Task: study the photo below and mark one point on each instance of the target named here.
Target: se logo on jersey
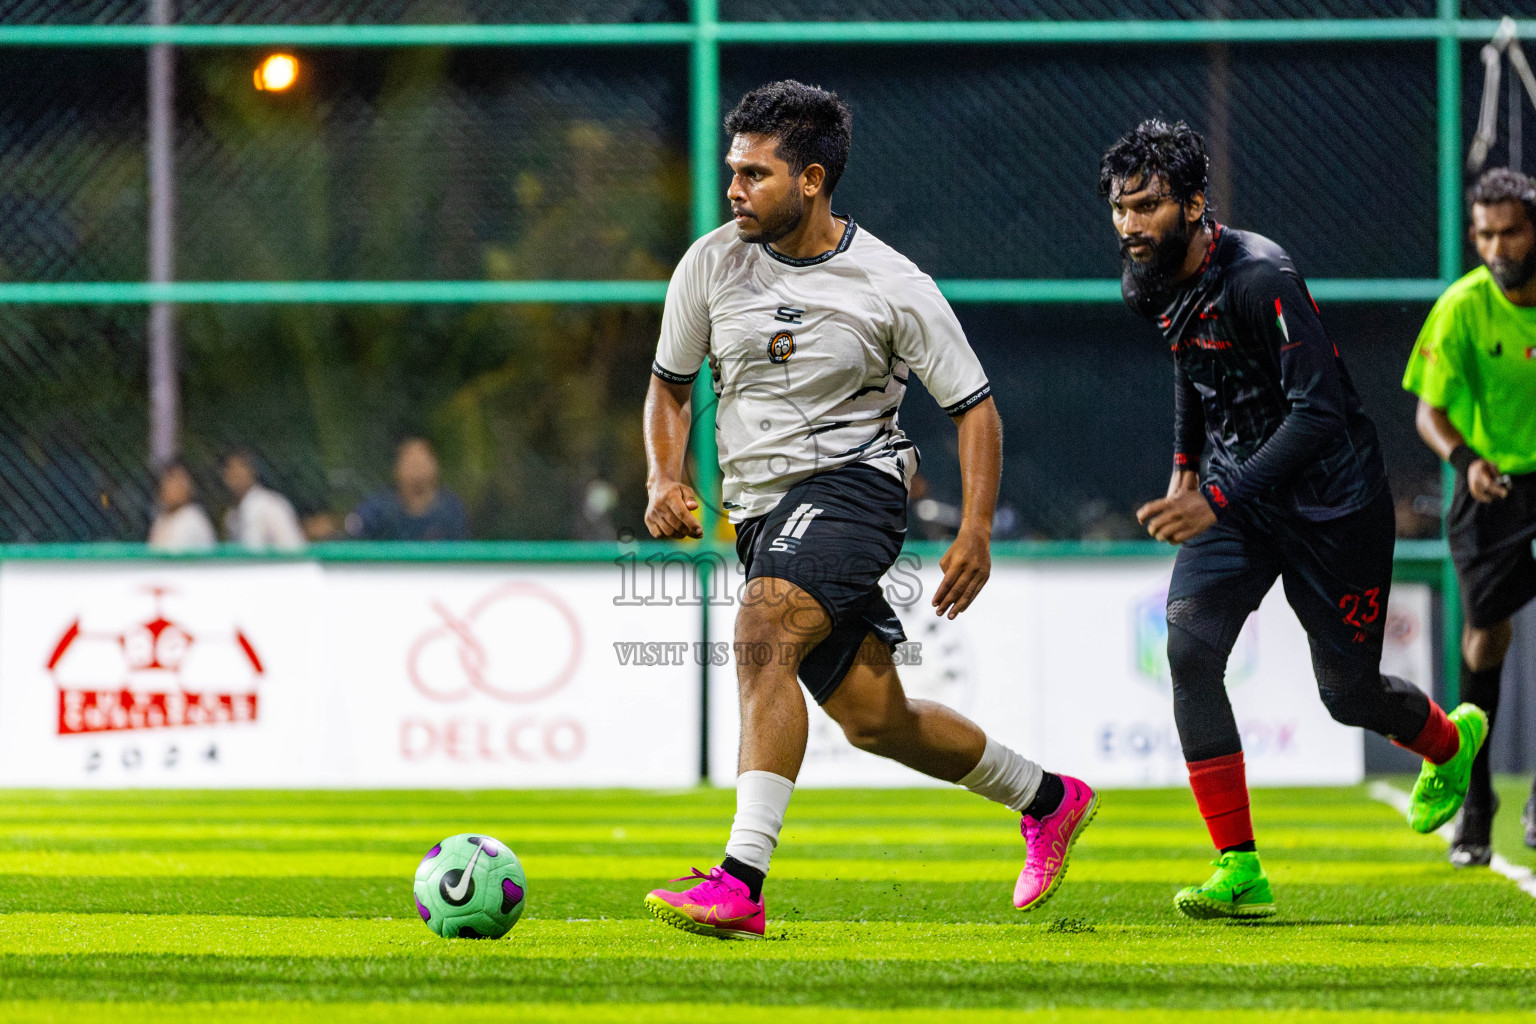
(781, 347)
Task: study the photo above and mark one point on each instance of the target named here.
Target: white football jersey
(810, 357)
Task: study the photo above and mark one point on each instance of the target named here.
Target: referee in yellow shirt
(1474, 370)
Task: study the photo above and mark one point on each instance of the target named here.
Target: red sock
(1221, 793)
(1438, 741)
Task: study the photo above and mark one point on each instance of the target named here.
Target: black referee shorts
(1491, 548)
(834, 535)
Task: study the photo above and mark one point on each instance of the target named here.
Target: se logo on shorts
(794, 528)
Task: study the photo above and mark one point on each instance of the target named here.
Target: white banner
(462, 677)
(162, 675)
(290, 675)
(213, 674)
(971, 663)
(1107, 706)
(1067, 662)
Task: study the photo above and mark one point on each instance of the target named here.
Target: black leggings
(1354, 694)
(1337, 577)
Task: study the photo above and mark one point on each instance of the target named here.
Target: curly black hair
(1502, 185)
(1173, 153)
(812, 125)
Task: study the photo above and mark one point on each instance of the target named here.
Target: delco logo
(153, 675)
(517, 644)
(1149, 644)
(484, 669)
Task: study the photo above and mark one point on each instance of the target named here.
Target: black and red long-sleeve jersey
(1257, 377)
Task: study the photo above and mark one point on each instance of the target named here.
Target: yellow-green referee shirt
(1476, 360)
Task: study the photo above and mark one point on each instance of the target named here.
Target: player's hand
(1484, 482)
(967, 565)
(1175, 520)
(669, 511)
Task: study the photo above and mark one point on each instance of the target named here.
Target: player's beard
(1509, 275)
(774, 224)
(1168, 255)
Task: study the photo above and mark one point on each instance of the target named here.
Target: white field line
(1521, 876)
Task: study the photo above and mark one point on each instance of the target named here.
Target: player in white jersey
(810, 327)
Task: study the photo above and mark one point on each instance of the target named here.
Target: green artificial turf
(1508, 833)
(883, 907)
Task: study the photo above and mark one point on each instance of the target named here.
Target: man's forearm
(1437, 431)
(666, 431)
(981, 464)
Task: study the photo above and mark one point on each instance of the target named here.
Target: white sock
(761, 800)
(1004, 775)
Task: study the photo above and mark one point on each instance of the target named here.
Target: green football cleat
(1238, 890)
(1441, 788)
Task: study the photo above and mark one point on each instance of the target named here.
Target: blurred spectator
(939, 520)
(1416, 507)
(595, 521)
(181, 524)
(417, 509)
(319, 526)
(261, 519)
(1099, 521)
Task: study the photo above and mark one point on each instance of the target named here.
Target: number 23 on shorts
(1360, 610)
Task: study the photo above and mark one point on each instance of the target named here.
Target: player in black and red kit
(1277, 473)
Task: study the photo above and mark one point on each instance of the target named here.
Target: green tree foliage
(413, 168)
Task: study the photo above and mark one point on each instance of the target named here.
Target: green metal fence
(703, 36)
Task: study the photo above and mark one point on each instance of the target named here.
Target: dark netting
(433, 12)
(72, 424)
(434, 163)
(534, 411)
(1497, 8)
(497, 163)
(1086, 397)
(531, 408)
(73, 12)
(1064, 10)
(72, 159)
(1329, 150)
(1500, 154)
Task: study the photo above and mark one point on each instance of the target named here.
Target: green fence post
(705, 174)
(1448, 99)
(704, 114)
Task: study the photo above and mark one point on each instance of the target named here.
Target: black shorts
(1337, 575)
(1491, 546)
(834, 535)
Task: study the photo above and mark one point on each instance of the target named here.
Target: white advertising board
(208, 674)
(1067, 663)
(294, 675)
(503, 677)
(972, 663)
(162, 675)
(1107, 698)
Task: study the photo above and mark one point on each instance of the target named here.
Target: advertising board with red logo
(495, 677)
(293, 675)
(190, 675)
(222, 674)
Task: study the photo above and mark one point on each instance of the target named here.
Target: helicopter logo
(153, 675)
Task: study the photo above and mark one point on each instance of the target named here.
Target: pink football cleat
(720, 905)
(1048, 844)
